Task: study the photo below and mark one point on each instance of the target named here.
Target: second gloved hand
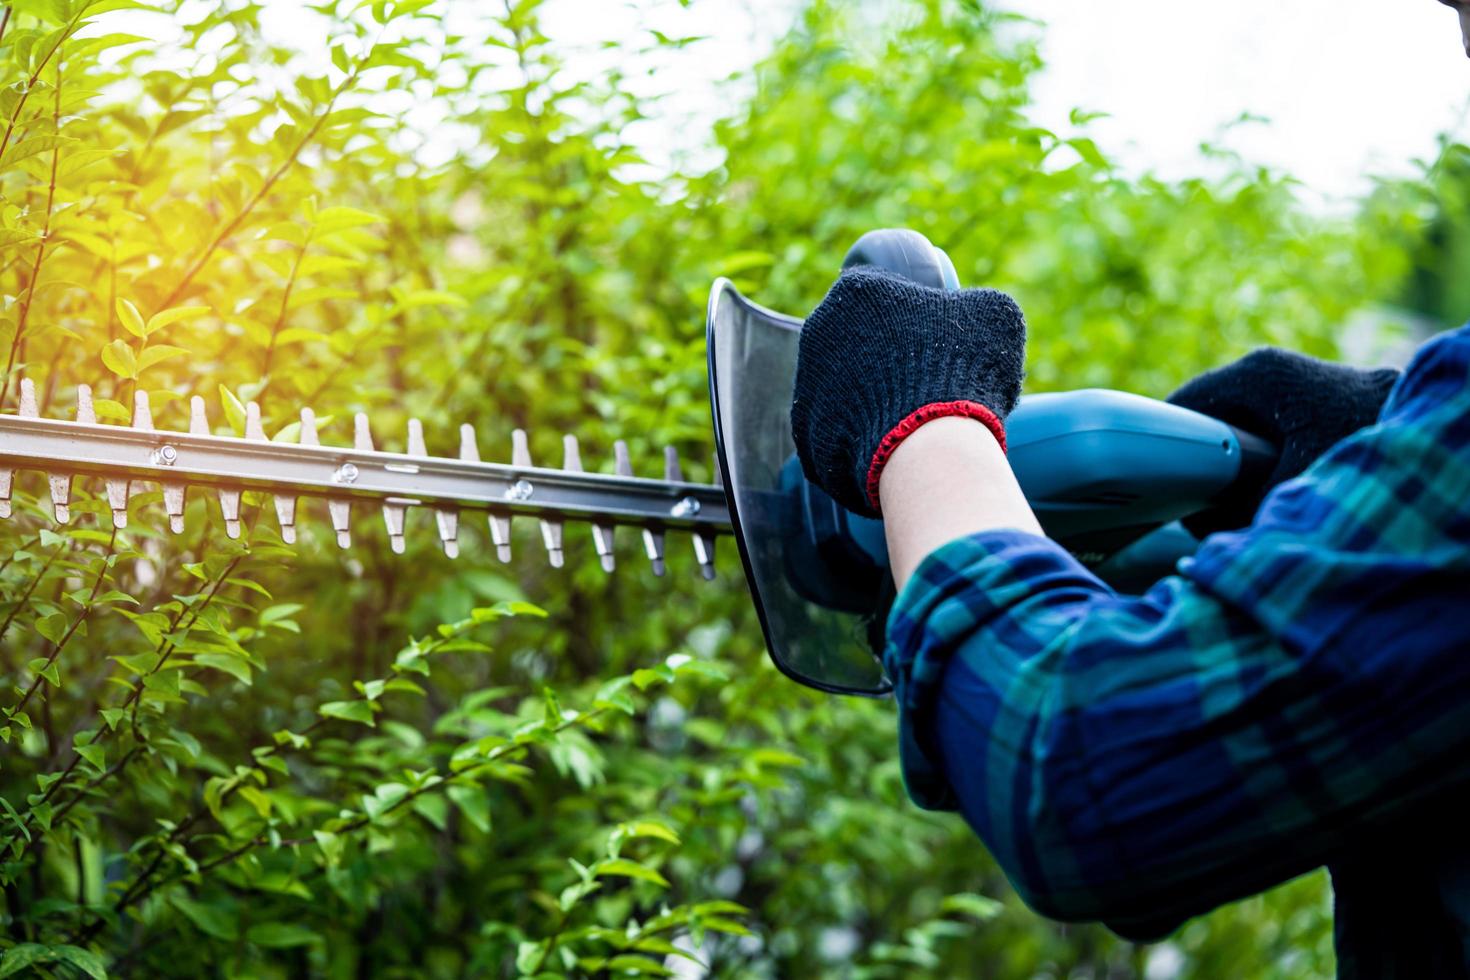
(1302, 405)
(881, 356)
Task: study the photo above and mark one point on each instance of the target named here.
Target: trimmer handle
(905, 253)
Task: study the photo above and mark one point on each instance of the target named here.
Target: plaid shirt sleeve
(1140, 760)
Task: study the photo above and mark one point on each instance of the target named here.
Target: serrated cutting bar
(396, 482)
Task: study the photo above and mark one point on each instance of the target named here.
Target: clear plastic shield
(752, 361)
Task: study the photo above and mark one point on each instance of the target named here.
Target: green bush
(249, 758)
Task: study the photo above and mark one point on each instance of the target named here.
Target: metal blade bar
(394, 480)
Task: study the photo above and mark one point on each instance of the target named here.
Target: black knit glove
(882, 355)
(1302, 405)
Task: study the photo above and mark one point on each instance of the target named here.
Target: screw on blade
(445, 518)
(229, 500)
(499, 523)
(173, 493)
(340, 510)
(551, 531)
(653, 541)
(602, 534)
(285, 505)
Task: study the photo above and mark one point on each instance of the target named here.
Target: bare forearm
(947, 480)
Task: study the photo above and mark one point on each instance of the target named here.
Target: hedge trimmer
(1106, 472)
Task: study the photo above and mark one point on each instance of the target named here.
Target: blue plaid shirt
(1298, 694)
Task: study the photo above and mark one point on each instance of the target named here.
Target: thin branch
(25, 307)
(87, 608)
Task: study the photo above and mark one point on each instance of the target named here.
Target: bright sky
(1350, 87)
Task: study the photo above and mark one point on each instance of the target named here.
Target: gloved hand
(881, 356)
(1301, 404)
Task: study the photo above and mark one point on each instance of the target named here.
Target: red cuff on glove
(910, 424)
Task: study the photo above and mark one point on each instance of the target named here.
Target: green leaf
(648, 828)
(337, 218)
(473, 803)
(281, 935)
(26, 955)
(208, 919)
(642, 965)
(433, 808)
(131, 319)
(53, 627)
(163, 318)
(155, 354)
(975, 906)
(230, 664)
(234, 410)
(331, 845)
(256, 798)
(95, 755)
(118, 357)
(624, 868)
(358, 711)
(276, 613)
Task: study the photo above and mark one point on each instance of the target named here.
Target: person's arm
(949, 479)
(1142, 759)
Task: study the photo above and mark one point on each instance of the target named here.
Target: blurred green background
(249, 759)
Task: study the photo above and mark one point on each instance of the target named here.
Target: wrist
(972, 413)
(949, 479)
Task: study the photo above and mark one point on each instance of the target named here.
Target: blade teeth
(229, 506)
(500, 536)
(308, 429)
(653, 546)
(339, 510)
(7, 476)
(173, 503)
(362, 436)
(469, 450)
(253, 428)
(198, 421)
(551, 531)
(446, 519)
(142, 413)
(229, 500)
(653, 541)
(120, 491)
(117, 500)
(60, 496)
(341, 513)
(704, 544)
(286, 518)
(86, 412)
(602, 534)
(362, 439)
(285, 505)
(704, 553)
(393, 521)
(416, 446)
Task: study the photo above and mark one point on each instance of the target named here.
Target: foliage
(1428, 217)
(250, 758)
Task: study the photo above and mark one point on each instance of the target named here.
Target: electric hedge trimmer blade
(123, 456)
